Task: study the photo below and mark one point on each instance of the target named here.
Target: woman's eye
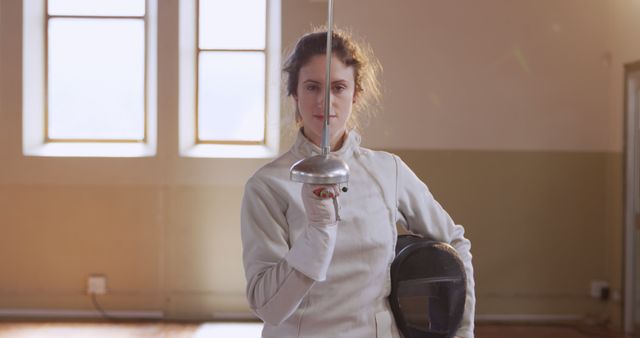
(339, 88)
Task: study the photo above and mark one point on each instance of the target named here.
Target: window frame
(190, 143)
(36, 138)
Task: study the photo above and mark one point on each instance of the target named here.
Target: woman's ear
(295, 102)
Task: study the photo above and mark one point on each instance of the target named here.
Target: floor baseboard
(245, 316)
(80, 314)
(527, 318)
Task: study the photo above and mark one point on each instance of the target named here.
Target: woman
(313, 271)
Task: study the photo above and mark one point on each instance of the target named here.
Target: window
(89, 78)
(229, 78)
(90, 70)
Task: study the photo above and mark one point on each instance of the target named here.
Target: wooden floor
(544, 331)
(251, 330)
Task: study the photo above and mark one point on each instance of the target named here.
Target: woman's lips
(321, 117)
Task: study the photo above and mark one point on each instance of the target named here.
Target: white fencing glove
(312, 250)
(321, 203)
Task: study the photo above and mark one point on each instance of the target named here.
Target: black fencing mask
(428, 288)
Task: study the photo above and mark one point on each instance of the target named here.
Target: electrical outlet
(97, 285)
(599, 289)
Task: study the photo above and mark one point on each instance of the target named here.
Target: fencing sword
(326, 168)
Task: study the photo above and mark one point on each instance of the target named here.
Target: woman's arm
(422, 214)
(279, 275)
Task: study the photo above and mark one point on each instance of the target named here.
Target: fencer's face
(310, 98)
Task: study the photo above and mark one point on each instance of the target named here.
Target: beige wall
(491, 74)
(535, 220)
(510, 111)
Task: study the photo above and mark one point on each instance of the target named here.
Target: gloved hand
(321, 203)
(312, 250)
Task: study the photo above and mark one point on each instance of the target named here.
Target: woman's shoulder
(378, 155)
(387, 162)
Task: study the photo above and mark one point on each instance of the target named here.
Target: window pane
(97, 7)
(231, 96)
(96, 78)
(237, 24)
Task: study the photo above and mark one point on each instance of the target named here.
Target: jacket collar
(303, 148)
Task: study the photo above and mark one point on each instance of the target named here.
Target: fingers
(325, 191)
(320, 203)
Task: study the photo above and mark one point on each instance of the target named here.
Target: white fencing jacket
(333, 281)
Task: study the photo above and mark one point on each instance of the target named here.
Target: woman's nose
(320, 98)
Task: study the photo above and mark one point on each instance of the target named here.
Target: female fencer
(316, 271)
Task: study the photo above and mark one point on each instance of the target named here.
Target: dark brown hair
(350, 52)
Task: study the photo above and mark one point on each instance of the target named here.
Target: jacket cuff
(312, 251)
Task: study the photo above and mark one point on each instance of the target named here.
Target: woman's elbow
(263, 309)
(270, 317)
